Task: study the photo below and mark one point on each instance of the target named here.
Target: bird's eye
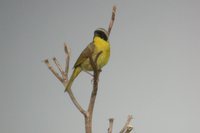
(103, 36)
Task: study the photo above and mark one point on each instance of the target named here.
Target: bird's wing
(85, 54)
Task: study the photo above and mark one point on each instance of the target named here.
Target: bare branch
(127, 125)
(95, 83)
(59, 67)
(76, 103)
(111, 120)
(53, 71)
(112, 19)
(64, 78)
(88, 118)
(67, 58)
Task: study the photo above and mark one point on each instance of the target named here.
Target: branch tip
(110, 128)
(64, 76)
(67, 58)
(46, 61)
(67, 49)
(112, 19)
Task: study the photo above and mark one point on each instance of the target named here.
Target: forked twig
(59, 68)
(46, 61)
(64, 78)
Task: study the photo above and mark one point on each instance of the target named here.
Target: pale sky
(153, 72)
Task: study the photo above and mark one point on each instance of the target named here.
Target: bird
(100, 44)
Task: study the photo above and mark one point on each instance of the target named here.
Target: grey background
(153, 72)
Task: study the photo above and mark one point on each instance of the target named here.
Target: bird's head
(102, 33)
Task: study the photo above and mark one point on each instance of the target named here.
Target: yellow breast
(104, 46)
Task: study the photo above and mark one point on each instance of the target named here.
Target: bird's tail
(75, 73)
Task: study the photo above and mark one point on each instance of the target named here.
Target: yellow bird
(99, 44)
